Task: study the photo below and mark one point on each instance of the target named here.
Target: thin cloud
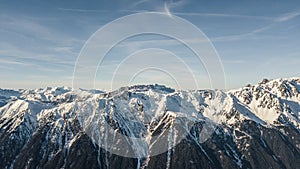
(288, 16)
(78, 10)
(32, 29)
(157, 6)
(176, 4)
(138, 3)
(12, 62)
(241, 36)
(82, 10)
(223, 15)
(167, 10)
(65, 49)
(234, 61)
(135, 11)
(282, 18)
(13, 55)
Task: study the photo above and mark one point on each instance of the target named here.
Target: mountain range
(152, 126)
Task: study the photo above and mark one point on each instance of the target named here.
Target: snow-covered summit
(274, 101)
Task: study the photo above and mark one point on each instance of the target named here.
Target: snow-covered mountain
(152, 126)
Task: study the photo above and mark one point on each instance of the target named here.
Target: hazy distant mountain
(255, 126)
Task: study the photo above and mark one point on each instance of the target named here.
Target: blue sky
(40, 40)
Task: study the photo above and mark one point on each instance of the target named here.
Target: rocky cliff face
(152, 127)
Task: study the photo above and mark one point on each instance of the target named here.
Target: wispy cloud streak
(82, 10)
(288, 16)
(223, 15)
(276, 20)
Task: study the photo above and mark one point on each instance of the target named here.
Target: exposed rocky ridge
(256, 126)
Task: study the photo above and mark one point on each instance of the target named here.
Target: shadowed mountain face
(252, 127)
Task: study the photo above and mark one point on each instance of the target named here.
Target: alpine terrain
(152, 126)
